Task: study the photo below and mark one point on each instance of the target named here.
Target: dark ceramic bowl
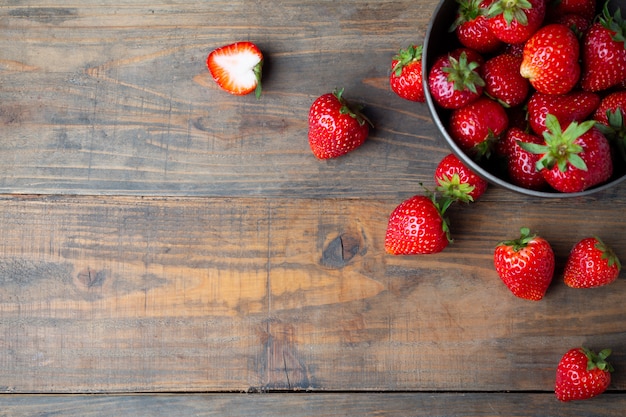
(439, 41)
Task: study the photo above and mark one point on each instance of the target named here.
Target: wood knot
(340, 250)
(91, 278)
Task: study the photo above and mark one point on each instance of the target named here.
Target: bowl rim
(474, 166)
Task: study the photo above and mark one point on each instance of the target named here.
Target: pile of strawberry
(537, 89)
(535, 84)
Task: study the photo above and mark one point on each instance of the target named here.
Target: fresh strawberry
(550, 59)
(503, 81)
(575, 106)
(612, 103)
(471, 26)
(477, 126)
(525, 265)
(237, 68)
(334, 127)
(455, 79)
(577, 23)
(583, 8)
(582, 374)
(604, 52)
(417, 226)
(591, 263)
(456, 181)
(514, 21)
(574, 159)
(611, 118)
(406, 74)
(521, 164)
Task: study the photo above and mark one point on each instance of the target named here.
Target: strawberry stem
(258, 72)
(597, 360)
(353, 111)
(521, 242)
(463, 74)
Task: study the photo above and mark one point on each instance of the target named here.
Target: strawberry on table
(477, 127)
(417, 226)
(575, 159)
(237, 68)
(456, 181)
(455, 79)
(582, 374)
(406, 74)
(604, 52)
(525, 265)
(472, 28)
(575, 106)
(503, 81)
(514, 21)
(550, 59)
(591, 263)
(335, 128)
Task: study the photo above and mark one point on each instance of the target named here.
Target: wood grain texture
(309, 405)
(115, 98)
(193, 294)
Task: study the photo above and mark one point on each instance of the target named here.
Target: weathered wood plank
(115, 98)
(318, 405)
(101, 294)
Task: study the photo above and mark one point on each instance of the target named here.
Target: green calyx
(560, 147)
(521, 242)
(614, 23)
(405, 57)
(441, 204)
(352, 111)
(468, 10)
(454, 189)
(598, 361)
(511, 10)
(258, 73)
(607, 253)
(463, 74)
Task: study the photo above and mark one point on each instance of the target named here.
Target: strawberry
(503, 81)
(455, 79)
(478, 125)
(611, 118)
(334, 128)
(574, 106)
(514, 21)
(237, 68)
(583, 8)
(575, 159)
(582, 374)
(456, 181)
(604, 52)
(471, 26)
(406, 74)
(612, 103)
(550, 60)
(525, 265)
(577, 23)
(591, 263)
(521, 164)
(417, 226)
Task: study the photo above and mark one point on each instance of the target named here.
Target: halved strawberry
(237, 68)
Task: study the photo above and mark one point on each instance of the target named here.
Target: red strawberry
(591, 264)
(521, 164)
(525, 265)
(471, 26)
(604, 52)
(503, 81)
(237, 68)
(514, 21)
(582, 374)
(456, 181)
(334, 128)
(575, 159)
(583, 8)
(551, 59)
(613, 103)
(417, 226)
(577, 23)
(574, 106)
(611, 118)
(477, 126)
(455, 79)
(406, 74)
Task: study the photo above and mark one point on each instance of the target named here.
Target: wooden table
(180, 251)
